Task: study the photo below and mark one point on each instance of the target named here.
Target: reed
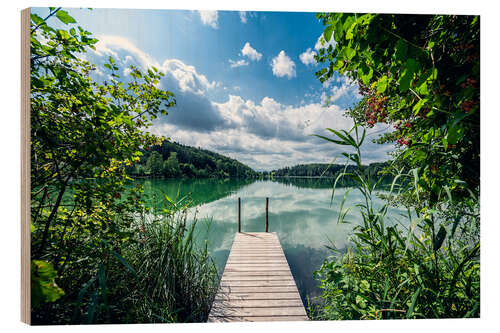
(426, 265)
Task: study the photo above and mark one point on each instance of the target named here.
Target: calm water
(300, 212)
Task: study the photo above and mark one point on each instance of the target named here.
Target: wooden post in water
(267, 213)
(239, 214)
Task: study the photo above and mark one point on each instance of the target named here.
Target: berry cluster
(468, 105)
(468, 83)
(376, 110)
(403, 141)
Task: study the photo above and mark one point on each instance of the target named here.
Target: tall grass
(425, 266)
(176, 280)
(156, 274)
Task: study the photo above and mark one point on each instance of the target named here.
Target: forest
(172, 160)
(325, 170)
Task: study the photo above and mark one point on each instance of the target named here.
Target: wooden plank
(257, 284)
(254, 257)
(259, 303)
(255, 273)
(256, 318)
(258, 261)
(259, 296)
(260, 268)
(237, 289)
(253, 278)
(252, 311)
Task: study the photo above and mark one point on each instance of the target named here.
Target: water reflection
(304, 217)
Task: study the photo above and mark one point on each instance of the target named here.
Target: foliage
(176, 280)
(84, 133)
(425, 266)
(324, 170)
(190, 162)
(419, 73)
(43, 285)
(159, 276)
(154, 164)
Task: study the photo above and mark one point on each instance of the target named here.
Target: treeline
(174, 160)
(325, 170)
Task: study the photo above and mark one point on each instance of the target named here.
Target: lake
(301, 212)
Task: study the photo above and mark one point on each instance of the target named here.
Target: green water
(300, 212)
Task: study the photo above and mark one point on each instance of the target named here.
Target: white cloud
(209, 17)
(322, 44)
(269, 135)
(265, 134)
(283, 66)
(243, 17)
(250, 52)
(307, 57)
(343, 91)
(238, 63)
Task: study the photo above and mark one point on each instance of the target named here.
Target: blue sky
(244, 81)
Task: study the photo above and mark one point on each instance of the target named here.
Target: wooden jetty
(257, 284)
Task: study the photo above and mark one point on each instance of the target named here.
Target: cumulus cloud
(321, 43)
(264, 134)
(250, 52)
(209, 17)
(307, 57)
(269, 135)
(238, 63)
(283, 66)
(194, 110)
(243, 16)
(340, 90)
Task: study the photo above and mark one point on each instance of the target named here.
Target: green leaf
(408, 75)
(64, 17)
(401, 50)
(360, 301)
(125, 263)
(413, 302)
(454, 134)
(418, 106)
(327, 34)
(338, 65)
(36, 19)
(438, 241)
(43, 286)
(367, 77)
(349, 53)
(331, 140)
(382, 84)
(63, 34)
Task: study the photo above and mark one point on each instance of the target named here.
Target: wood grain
(257, 284)
(25, 169)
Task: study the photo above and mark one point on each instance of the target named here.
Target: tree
(154, 164)
(419, 73)
(171, 165)
(83, 134)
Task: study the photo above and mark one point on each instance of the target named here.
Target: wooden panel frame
(25, 169)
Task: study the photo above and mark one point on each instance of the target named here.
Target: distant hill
(324, 170)
(172, 159)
